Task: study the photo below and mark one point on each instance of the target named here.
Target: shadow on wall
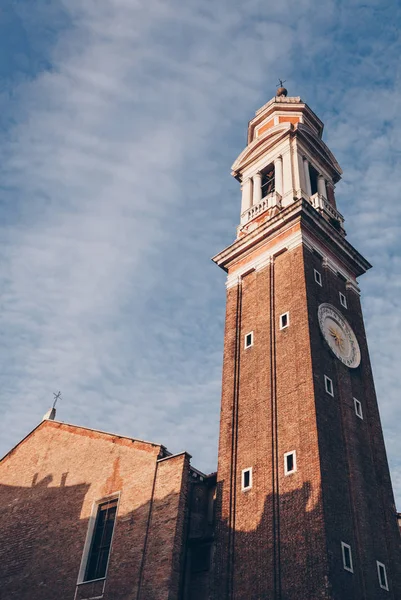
(42, 542)
(281, 554)
(43, 536)
(36, 536)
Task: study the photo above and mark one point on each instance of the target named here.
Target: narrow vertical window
(382, 574)
(343, 300)
(246, 480)
(328, 385)
(249, 339)
(347, 557)
(358, 408)
(318, 277)
(99, 552)
(290, 462)
(284, 320)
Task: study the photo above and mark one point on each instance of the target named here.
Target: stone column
(257, 188)
(308, 189)
(321, 186)
(278, 175)
(246, 195)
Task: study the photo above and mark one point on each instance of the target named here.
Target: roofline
(114, 435)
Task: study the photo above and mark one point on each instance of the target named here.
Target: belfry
(305, 507)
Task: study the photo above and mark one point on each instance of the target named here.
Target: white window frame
(348, 547)
(385, 586)
(246, 346)
(343, 300)
(294, 469)
(358, 408)
(286, 314)
(247, 470)
(318, 277)
(89, 537)
(329, 388)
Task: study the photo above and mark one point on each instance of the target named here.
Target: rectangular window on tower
(318, 277)
(382, 574)
(328, 385)
(249, 339)
(347, 557)
(99, 541)
(290, 462)
(343, 300)
(246, 479)
(358, 408)
(268, 184)
(284, 320)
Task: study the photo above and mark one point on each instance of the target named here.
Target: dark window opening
(284, 320)
(247, 479)
(101, 541)
(313, 174)
(382, 576)
(347, 557)
(289, 462)
(248, 340)
(268, 186)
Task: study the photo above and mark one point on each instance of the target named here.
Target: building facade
(301, 507)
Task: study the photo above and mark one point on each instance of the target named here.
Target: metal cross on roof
(56, 397)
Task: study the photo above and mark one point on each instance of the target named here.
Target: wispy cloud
(116, 144)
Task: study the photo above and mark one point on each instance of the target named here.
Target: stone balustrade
(270, 201)
(326, 209)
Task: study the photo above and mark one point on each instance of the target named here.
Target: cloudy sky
(119, 121)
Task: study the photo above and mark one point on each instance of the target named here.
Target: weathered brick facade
(48, 485)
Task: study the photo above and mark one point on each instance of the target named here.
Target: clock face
(338, 334)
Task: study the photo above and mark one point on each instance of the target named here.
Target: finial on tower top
(281, 91)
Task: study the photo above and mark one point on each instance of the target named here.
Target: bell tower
(305, 507)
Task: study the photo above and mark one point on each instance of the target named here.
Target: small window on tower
(284, 320)
(343, 300)
(246, 482)
(318, 277)
(358, 408)
(268, 185)
(381, 572)
(249, 339)
(347, 557)
(328, 385)
(290, 462)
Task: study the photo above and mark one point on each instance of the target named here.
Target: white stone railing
(326, 209)
(273, 199)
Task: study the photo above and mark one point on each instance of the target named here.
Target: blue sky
(119, 121)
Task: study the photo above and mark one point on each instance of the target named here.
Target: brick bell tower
(305, 507)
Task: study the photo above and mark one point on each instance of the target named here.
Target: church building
(301, 506)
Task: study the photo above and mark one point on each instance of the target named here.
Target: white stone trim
(385, 586)
(358, 408)
(287, 324)
(294, 464)
(346, 547)
(247, 470)
(246, 346)
(329, 386)
(293, 241)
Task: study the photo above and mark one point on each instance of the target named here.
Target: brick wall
(48, 485)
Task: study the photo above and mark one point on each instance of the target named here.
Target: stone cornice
(314, 228)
